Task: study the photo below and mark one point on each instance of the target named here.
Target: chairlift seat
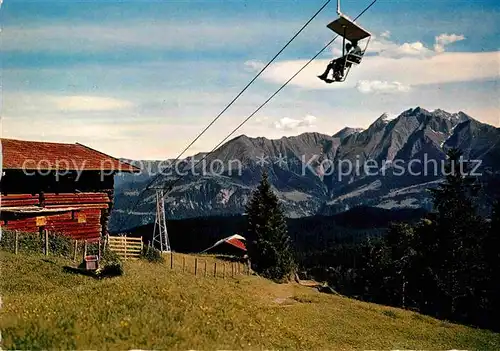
(346, 28)
(349, 31)
(354, 59)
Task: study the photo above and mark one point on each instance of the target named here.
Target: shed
(63, 188)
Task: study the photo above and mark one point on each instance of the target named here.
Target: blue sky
(140, 79)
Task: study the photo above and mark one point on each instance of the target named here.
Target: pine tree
(495, 230)
(269, 245)
(492, 253)
(401, 243)
(455, 258)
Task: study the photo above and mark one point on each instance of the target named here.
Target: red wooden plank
(92, 193)
(19, 196)
(100, 206)
(18, 203)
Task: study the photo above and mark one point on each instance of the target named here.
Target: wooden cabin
(62, 188)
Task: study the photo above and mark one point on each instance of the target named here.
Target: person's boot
(323, 76)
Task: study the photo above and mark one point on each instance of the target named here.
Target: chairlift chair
(349, 30)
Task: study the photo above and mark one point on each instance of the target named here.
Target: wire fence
(206, 265)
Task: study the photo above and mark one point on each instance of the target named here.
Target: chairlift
(352, 32)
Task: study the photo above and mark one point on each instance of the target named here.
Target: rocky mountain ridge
(314, 173)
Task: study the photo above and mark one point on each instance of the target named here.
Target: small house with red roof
(232, 245)
(62, 188)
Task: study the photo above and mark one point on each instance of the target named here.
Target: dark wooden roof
(43, 156)
(345, 27)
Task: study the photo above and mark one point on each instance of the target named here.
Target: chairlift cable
(172, 184)
(246, 87)
(148, 186)
(170, 187)
(253, 80)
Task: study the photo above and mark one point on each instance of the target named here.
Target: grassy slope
(152, 307)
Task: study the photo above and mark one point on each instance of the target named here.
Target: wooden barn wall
(31, 182)
(88, 223)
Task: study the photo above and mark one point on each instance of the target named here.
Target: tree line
(446, 265)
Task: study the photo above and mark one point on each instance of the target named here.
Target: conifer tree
(455, 258)
(401, 242)
(492, 254)
(269, 245)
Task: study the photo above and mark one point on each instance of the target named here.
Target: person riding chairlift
(338, 65)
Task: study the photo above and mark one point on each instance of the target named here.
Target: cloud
(408, 49)
(377, 86)
(336, 51)
(288, 124)
(445, 39)
(130, 140)
(387, 48)
(253, 65)
(26, 105)
(173, 34)
(386, 34)
(261, 119)
(408, 71)
(88, 103)
(384, 47)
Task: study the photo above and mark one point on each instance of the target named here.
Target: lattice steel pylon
(160, 234)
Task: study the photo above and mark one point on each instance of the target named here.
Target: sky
(140, 79)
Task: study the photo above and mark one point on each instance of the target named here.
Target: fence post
(142, 245)
(84, 249)
(215, 269)
(17, 242)
(183, 263)
(99, 248)
(125, 243)
(195, 266)
(171, 260)
(223, 270)
(46, 242)
(205, 268)
(76, 249)
(232, 269)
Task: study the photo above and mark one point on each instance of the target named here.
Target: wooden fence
(125, 247)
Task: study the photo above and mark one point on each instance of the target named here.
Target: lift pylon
(160, 234)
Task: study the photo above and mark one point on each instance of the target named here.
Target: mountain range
(390, 165)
